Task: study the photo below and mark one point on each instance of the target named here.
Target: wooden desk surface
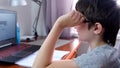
(67, 47)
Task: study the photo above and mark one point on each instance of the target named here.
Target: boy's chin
(82, 40)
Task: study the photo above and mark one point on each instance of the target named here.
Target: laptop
(10, 52)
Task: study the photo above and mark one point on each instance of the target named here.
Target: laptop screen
(8, 19)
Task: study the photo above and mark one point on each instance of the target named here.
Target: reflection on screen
(7, 26)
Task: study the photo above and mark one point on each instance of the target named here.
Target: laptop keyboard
(15, 53)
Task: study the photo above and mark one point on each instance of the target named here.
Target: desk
(72, 46)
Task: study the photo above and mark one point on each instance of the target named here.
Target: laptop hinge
(5, 45)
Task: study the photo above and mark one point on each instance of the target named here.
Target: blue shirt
(101, 57)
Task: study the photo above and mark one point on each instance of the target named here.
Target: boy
(97, 22)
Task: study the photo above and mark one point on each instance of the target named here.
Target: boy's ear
(98, 28)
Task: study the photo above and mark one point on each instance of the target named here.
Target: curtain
(54, 9)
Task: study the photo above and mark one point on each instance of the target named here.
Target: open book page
(28, 61)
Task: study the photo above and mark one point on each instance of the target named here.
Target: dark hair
(105, 12)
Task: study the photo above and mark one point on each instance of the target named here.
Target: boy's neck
(97, 44)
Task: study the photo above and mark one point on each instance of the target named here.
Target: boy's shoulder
(104, 52)
(97, 57)
(104, 49)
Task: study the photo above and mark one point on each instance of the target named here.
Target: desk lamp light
(36, 18)
(23, 3)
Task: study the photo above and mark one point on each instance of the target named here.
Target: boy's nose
(76, 27)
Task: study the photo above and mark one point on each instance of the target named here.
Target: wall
(25, 16)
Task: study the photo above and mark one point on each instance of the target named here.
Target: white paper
(28, 61)
(59, 54)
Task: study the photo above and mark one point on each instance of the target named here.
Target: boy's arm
(45, 53)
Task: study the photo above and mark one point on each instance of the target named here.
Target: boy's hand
(70, 19)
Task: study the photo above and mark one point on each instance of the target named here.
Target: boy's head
(105, 12)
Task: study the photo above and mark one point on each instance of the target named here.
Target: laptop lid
(8, 20)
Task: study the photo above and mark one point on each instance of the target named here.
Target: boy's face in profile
(84, 33)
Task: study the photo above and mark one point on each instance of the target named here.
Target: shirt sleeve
(90, 60)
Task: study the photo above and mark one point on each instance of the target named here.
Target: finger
(72, 13)
(82, 20)
(76, 15)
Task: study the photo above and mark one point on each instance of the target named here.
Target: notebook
(10, 52)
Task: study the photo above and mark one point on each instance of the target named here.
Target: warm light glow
(73, 30)
(118, 2)
(76, 42)
(74, 3)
